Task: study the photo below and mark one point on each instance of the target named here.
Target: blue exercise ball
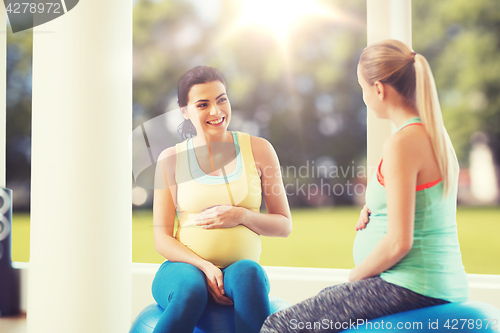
(462, 316)
(215, 318)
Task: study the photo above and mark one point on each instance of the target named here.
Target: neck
(400, 115)
(206, 139)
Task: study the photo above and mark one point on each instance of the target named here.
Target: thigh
(176, 276)
(345, 303)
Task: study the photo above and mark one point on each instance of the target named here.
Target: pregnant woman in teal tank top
(406, 251)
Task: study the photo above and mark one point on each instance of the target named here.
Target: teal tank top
(433, 267)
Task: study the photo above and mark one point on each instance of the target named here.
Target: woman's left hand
(364, 218)
(223, 216)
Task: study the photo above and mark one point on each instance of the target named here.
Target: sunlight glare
(277, 15)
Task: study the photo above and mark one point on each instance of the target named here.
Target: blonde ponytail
(430, 113)
(393, 62)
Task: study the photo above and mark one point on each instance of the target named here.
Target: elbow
(159, 244)
(287, 232)
(287, 229)
(157, 247)
(402, 247)
(398, 244)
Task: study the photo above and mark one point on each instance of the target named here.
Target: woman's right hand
(364, 218)
(215, 280)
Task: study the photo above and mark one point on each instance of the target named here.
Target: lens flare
(278, 15)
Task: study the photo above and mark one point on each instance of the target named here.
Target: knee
(327, 289)
(247, 277)
(186, 285)
(249, 270)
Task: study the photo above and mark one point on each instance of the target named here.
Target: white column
(80, 259)
(3, 92)
(401, 20)
(385, 19)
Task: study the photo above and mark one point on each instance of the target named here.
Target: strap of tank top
(182, 173)
(411, 121)
(246, 151)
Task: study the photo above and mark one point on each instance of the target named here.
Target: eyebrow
(206, 100)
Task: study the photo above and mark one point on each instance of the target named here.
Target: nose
(214, 110)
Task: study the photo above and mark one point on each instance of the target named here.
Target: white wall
(291, 284)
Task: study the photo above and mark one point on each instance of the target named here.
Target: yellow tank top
(197, 191)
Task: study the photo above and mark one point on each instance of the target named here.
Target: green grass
(320, 238)
(20, 237)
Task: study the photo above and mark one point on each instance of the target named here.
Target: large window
(291, 75)
(290, 69)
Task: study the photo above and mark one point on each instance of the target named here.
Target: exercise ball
(462, 316)
(214, 319)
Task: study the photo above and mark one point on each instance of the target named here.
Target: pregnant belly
(366, 240)
(221, 247)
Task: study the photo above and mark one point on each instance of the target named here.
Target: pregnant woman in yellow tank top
(214, 181)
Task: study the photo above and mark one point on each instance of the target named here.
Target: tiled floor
(13, 324)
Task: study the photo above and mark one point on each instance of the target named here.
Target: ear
(184, 112)
(380, 89)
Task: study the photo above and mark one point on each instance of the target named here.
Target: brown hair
(393, 62)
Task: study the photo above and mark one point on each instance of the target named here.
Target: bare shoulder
(264, 155)
(258, 142)
(412, 139)
(167, 152)
(168, 158)
(261, 148)
(410, 144)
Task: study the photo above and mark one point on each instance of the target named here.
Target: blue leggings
(181, 289)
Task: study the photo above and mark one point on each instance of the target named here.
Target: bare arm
(401, 166)
(278, 220)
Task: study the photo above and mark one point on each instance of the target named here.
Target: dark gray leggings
(346, 303)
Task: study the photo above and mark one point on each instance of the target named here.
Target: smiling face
(208, 108)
